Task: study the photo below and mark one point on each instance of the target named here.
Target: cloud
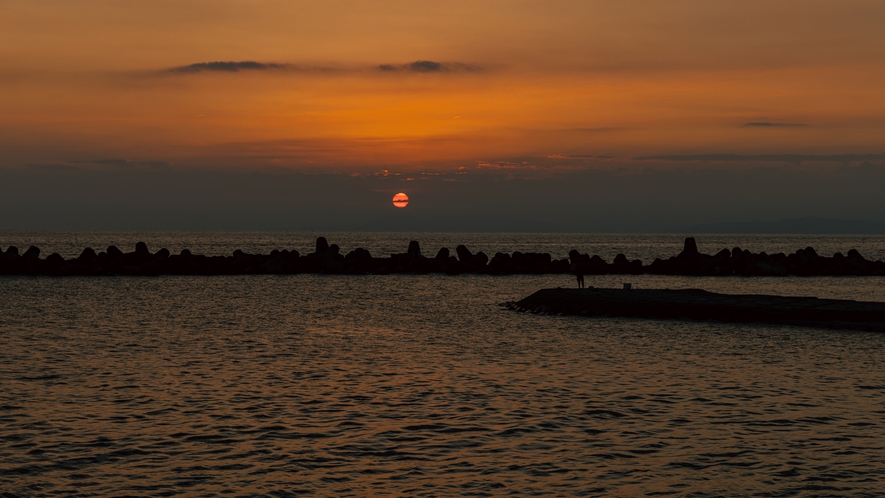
(424, 66)
(228, 67)
(506, 165)
(526, 168)
(768, 124)
(602, 129)
(50, 167)
(768, 158)
(126, 163)
(577, 156)
(419, 66)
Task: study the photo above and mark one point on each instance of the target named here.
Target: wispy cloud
(535, 165)
(768, 158)
(577, 156)
(424, 66)
(602, 129)
(50, 167)
(229, 67)
(506, 165)
(221, 67)
(769, 124)
(125, 163)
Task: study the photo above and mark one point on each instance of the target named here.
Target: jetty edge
(696, 304)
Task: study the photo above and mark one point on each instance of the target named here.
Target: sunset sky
(435, 92)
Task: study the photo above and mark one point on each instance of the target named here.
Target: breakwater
(329, 258)
(702, 305)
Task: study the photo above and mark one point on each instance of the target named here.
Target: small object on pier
(628, 286)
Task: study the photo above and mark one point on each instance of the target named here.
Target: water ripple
(273, 386)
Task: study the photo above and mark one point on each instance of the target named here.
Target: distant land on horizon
(805, 225)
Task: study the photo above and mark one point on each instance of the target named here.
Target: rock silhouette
(329, 259)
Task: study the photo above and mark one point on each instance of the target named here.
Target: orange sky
(509, 83)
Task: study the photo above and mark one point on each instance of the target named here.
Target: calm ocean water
(422, 385)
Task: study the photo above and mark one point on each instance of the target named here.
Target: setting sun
(400, 200)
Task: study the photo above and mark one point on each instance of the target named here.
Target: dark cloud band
(420, 66)
(125, 163)
(768, 124)
(227, 67)
(771, 158)
(424, 66)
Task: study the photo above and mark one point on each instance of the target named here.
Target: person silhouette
(579, 275)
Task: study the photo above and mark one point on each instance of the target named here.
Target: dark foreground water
(423, 386)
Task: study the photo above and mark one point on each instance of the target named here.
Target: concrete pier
(697, 304)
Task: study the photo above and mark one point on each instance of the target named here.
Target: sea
(424, 385)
